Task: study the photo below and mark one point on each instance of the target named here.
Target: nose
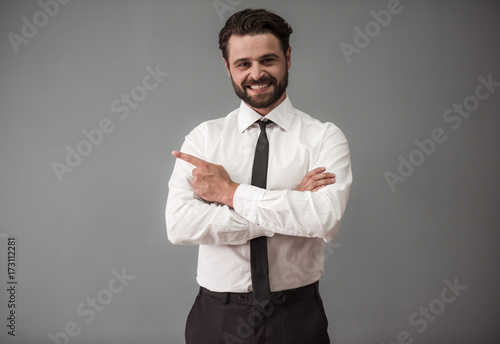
(256, 72)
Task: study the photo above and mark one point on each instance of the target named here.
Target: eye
(242, 65)
(268, 60)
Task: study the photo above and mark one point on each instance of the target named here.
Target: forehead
(252, 46)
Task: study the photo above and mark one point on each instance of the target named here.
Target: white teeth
(258, 87)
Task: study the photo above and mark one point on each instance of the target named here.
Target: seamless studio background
(94, 95)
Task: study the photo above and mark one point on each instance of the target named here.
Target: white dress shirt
(296, 223)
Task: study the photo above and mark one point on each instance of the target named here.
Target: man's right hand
(316, 179)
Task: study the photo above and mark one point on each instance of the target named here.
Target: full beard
(266, 99)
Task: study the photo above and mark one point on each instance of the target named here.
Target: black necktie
(258, 246)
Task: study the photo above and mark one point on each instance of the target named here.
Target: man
(259, 191)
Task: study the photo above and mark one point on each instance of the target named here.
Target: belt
(310, 291)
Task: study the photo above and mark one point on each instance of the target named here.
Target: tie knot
(263, 124)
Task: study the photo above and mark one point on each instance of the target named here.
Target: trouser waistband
(310, 291)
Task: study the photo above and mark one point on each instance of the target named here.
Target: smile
(259, 86)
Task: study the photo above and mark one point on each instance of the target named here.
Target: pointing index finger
(188, 158)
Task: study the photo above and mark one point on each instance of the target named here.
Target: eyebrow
(245, 59)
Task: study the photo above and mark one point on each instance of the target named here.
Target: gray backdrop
(86, 136)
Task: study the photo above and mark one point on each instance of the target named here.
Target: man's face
(258, 70)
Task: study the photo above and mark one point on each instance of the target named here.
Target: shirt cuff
(245, 201)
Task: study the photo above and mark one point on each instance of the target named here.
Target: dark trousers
(292, 317)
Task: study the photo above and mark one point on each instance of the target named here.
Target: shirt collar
(282, 115)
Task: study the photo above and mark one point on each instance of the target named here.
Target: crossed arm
(233, 213)
(212, 183)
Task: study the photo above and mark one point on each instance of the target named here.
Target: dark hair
(255, 21)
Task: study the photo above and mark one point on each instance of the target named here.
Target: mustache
(262, 80)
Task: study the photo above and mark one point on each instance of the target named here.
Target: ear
(288, 57)
(227, 66)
